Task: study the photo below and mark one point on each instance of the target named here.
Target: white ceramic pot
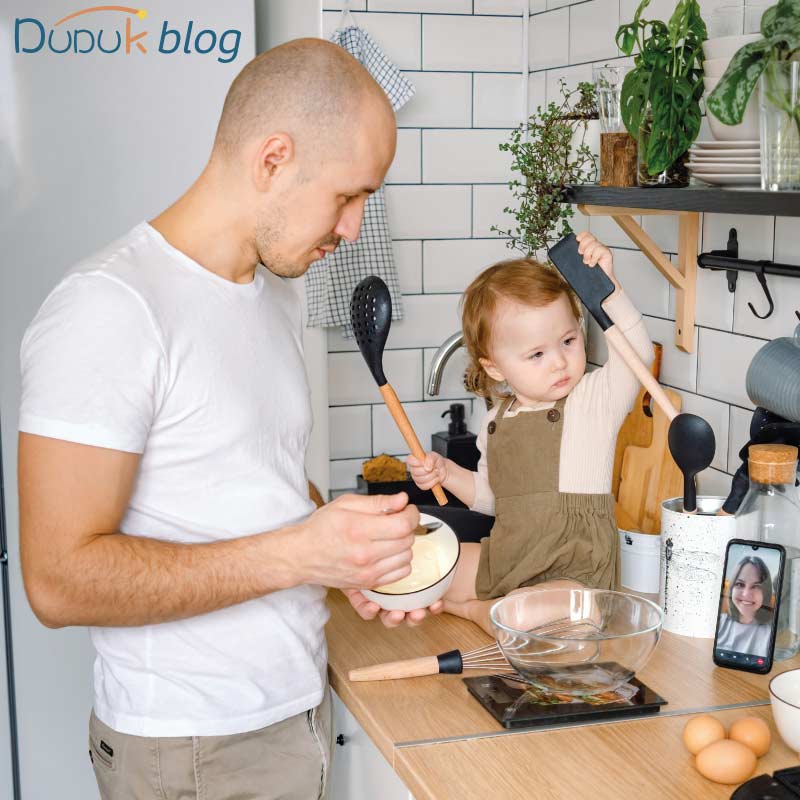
(726, 46)
(640, 561)
(747, 130)
(692, 562)
(784, 696)
(449, 549)
(716, 67)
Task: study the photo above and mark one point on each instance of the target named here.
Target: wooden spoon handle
(410, 668)
(618, 341)
(403, 423)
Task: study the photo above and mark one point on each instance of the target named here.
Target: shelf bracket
(682, 278)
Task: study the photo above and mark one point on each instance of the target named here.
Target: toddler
(547, 445)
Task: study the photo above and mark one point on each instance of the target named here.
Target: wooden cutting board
(637, 429)
(649, 475)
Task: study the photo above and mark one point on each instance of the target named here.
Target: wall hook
(762, 279)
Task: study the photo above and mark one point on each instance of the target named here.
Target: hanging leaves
(549, 152)
(780, 27)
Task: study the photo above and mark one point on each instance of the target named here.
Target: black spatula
(691, 439)
(371, 318)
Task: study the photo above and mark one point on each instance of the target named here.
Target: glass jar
(676, 174)
(770, 512)
(779, 112)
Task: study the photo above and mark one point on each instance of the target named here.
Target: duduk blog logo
(31, 35)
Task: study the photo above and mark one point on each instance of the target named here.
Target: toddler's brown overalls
(540, 533)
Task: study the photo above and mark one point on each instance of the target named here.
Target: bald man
(163, 426)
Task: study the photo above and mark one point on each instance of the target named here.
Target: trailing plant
(549, 152)
(666, 81)
(780, 27)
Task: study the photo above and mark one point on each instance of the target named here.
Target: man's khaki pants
(288, 760)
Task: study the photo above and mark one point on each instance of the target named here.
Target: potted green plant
(550, 152)
(661, 95)
(772, 62)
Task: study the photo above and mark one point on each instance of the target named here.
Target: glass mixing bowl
(576, 641)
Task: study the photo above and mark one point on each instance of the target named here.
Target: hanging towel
(330, 281)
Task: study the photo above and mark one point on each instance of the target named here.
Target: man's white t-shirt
(141, 349)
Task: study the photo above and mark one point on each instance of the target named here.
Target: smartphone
(749, 600)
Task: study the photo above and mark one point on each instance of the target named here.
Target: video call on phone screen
(750, 589)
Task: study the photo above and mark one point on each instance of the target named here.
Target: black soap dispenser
(457, 443)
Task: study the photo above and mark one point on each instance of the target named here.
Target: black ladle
(691, 438)
(371, 318)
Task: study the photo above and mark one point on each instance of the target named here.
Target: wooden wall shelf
(623, 204)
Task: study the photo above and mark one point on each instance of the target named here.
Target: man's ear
(491, 370)
(275, 152)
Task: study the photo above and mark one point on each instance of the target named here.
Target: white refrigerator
(93, 139)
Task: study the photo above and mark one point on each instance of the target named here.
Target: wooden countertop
(415, 711)
(638, 759)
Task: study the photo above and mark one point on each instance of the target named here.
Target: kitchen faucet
(440, 359)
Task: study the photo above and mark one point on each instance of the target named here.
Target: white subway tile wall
(592, 27)
(447, 188)
(497, 100)
(397, 35)
(442, 100)
(407, 164)
(473, 44)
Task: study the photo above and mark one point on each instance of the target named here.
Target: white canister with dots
(692, 562)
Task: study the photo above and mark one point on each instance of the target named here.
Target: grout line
(421, 42)
(471, 211)
(466, 71)
(372, 430)
(472, 100)
(430, 13)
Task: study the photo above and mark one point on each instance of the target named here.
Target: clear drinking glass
(770, 512)
(608, 84)
(736, 19)
(779, 107)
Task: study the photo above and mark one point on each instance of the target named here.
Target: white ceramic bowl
(726, 46)
(747, 130)
(449, 550)
(716, 67)
(784, 695)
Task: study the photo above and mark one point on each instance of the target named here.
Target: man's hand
(355, 542)
(366, 609)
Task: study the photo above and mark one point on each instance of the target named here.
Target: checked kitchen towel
(331, 280)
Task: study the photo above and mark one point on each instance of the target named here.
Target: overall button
(553, 415)
(491, 427)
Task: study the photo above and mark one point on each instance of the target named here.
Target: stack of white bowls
(718, 53)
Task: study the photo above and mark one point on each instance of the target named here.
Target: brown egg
(726, 762)
(702, 731)
(753, 732)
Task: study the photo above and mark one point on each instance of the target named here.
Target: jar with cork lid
(770, 512)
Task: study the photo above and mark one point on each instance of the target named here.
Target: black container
(457, 443)
(415, 495)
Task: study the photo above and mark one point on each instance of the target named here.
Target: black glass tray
(515, 704)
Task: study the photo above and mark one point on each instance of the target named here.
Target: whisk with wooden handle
(488, 659)
(453, 662)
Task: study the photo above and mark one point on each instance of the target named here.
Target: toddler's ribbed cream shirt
(593, 414)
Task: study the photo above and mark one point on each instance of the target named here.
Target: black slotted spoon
(371, 318)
